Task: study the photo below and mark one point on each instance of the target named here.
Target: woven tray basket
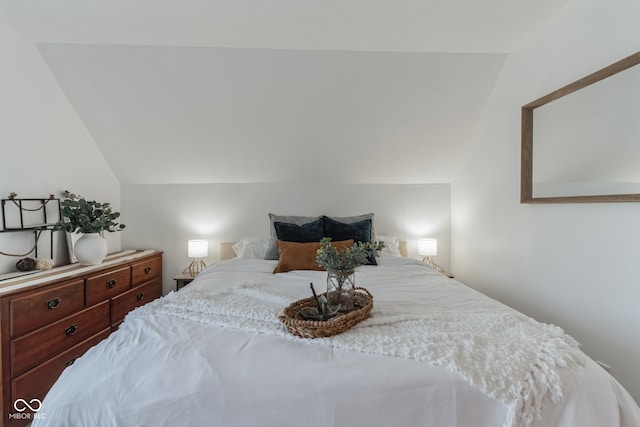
(362, 301)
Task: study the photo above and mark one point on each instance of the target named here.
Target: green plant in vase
(90, 218)
(86, 216)
(340, 266)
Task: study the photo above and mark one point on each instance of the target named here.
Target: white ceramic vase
(90, 249)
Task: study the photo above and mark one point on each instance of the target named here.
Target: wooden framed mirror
(587, 139)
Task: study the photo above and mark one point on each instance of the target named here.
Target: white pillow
(391, 245)
(251, 247)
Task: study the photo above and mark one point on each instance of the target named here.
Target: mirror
(587, 139)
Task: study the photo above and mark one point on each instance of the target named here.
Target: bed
(433, 353)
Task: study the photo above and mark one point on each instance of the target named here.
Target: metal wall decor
(35, 215)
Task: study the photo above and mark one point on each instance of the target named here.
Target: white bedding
(185, 360)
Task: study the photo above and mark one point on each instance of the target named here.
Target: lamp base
(432, 264)
(195, 268)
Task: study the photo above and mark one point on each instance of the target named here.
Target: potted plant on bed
(90, 218)
(340, 266)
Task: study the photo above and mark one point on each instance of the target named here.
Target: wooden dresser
(49, 319)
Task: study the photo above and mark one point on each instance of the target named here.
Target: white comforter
(192, 359)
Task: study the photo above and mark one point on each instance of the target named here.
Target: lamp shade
(198, 249)
(428, 247)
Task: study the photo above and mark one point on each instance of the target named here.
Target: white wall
(164, 217)
(573, 265)
(45, 147)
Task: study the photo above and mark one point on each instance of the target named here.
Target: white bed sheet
(162, 370)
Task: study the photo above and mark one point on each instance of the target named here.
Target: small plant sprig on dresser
(345, 260)
(87, 216)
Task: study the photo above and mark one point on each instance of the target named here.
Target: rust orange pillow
(302, 256)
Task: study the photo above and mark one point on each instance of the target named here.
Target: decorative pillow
(356, 218)
(359, 231)
(251, 247)
(272, 252)
(309, 232)
(302, 256)
(391, 246)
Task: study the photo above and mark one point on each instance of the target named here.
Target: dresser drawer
(122, 304)
(35, 384)
(108, 285)
(146, 270)
(44, 343)
(42, 308)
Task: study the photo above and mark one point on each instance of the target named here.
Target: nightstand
(182, 280)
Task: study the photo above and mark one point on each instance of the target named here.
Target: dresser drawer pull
(147, 270)
(54, 303)
(112, 283)
(71, 361)
(140, 296)
(71, 330)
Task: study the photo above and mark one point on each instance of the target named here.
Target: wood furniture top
(21, 281)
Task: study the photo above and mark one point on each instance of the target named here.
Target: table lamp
(196, 249)
(428, 248)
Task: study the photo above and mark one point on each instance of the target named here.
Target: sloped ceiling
(187, 115)
(202, 91)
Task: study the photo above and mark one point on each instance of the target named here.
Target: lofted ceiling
(198, 91)
(486, 26)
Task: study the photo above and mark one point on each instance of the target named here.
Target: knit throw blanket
(506, 355)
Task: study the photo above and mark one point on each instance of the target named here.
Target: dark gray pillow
(305, 233)
(355, 218)
(359, 231)
(272, 252)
